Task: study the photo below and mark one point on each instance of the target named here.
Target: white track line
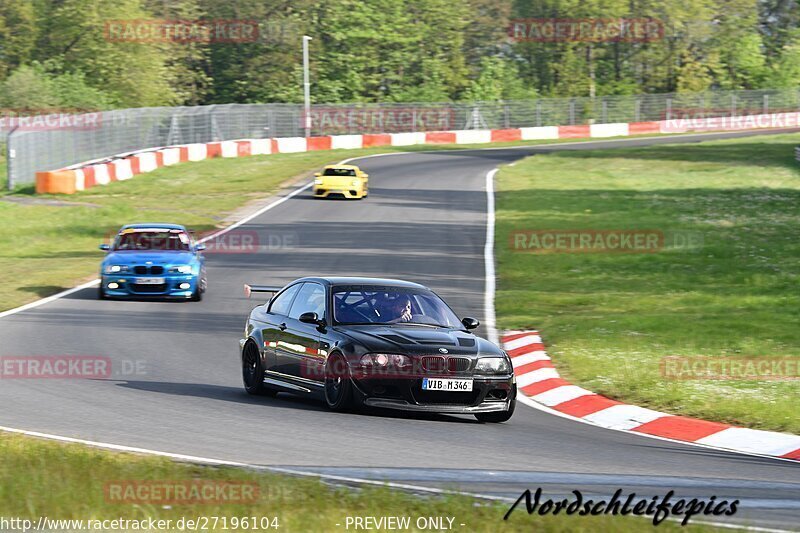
(331, 477)
(49, 299)
(488, 260)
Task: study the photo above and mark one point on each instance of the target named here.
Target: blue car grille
(144, 270)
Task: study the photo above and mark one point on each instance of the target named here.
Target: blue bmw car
(155, 261)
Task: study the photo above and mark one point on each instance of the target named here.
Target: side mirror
(317, 174)
(366, 175)
(470, 323)
(200, 247)
(310, 318)
(105, 247)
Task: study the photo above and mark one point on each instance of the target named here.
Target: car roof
(349, 167)
(342, 280)
(159, 225)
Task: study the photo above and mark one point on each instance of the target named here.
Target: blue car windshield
(153, 239)
(391, 305)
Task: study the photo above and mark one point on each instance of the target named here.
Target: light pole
(306, 87)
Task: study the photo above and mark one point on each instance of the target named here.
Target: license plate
(453, 385)
(150, 281)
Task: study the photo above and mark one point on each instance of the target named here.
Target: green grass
(608, 319)
(68, 481)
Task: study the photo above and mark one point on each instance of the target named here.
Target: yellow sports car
(347, 181)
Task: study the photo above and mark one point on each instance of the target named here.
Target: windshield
(391, 305)
(339, 172)
(153, 239)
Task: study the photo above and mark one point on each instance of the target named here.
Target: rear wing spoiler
(249, 289)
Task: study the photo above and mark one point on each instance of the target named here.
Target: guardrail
(125, 166)
(110, 133)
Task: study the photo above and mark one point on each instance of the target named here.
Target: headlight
(492, 365)
(116, 269)
(385, 360)
(318, 181)
(183, 269)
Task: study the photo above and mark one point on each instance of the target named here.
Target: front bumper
(171, 288)
(486, 407)
(320, 191)
(489, 394)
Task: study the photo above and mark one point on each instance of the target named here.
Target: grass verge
(610, 318)
(68, 481)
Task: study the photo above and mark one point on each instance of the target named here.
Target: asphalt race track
(177, 386)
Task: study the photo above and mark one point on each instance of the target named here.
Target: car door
(274, 325)
(301, 342)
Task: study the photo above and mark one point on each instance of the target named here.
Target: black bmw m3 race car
(373, 342)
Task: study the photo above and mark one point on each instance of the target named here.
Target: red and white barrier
(538, 379)
(82, 176)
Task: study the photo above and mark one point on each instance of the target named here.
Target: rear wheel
(253, 373)
(338, 387)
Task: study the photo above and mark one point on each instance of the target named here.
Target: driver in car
(400, 309)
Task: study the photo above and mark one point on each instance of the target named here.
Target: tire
(101, 293)
(338, 387)
(253, 373)
(197, 295)
(498, 417)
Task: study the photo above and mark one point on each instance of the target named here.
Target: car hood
(414, 340)
(136, 257)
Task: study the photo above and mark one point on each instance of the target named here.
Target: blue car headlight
(115, 269)
(182, 269)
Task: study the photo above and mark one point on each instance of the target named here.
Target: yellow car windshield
(339, 172)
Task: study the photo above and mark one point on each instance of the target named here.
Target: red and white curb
(538, 379)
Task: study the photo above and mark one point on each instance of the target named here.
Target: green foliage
(498, 80)
(391, 50)
(32, 88)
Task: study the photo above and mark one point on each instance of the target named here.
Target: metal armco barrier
(108, 133)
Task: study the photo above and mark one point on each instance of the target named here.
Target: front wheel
(197, 295)
(253, 373)
(338, 387)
